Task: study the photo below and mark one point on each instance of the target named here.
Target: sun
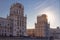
(50, 15)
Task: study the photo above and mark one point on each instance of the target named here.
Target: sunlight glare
(50, 17)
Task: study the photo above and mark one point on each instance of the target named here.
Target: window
(17, 34)
(18, 11)
(8, 24)
(18, 23)
(20, 6)
(15, 29)
(18, 27)
(20, 30)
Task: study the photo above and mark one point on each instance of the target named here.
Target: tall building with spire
(42, 26)
(16, 20)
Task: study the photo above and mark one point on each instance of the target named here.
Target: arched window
(17, 11)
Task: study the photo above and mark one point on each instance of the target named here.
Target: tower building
(42, 26)
(15, 22)
(18, 19)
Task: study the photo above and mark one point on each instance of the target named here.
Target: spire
(7, 15)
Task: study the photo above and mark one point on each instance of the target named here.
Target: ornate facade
(17, 20)
(42, 26)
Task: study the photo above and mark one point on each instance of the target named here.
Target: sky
(33, 8)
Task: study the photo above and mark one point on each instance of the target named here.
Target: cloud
(41, 5)
(45, 4)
